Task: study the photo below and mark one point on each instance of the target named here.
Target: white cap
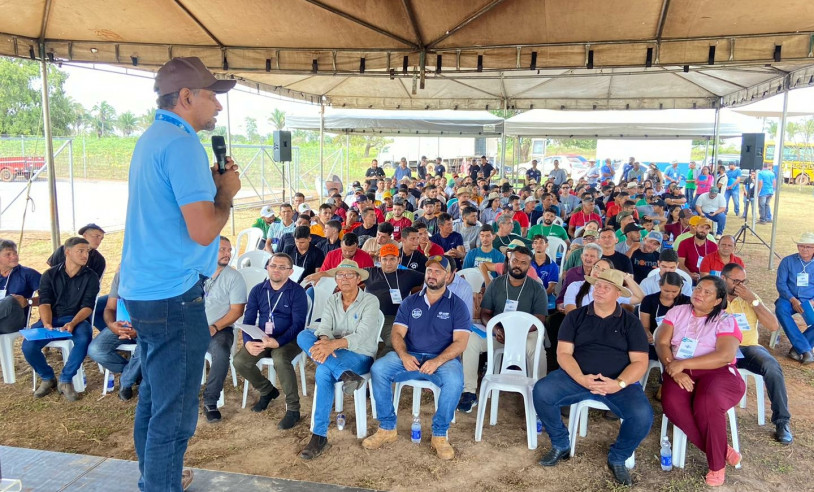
(267, 212)
(531, 199)
(303, 208)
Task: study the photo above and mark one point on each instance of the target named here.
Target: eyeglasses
(345, 275)
(738, 281)
(278, 267)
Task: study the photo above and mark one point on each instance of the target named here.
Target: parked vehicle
(12, 167)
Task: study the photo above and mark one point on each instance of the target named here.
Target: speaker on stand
(752, 145)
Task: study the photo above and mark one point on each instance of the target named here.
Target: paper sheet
(254, 332)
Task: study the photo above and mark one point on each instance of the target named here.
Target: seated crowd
(621, 274)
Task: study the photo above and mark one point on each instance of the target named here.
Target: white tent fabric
(451, 54)
(661, 125)
(381, 122)
(802, 101)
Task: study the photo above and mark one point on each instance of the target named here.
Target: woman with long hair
(703, 181)
(673, 225)
(696, 343)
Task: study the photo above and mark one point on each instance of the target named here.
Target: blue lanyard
(172, 120)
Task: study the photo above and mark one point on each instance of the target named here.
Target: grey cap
(189, 73)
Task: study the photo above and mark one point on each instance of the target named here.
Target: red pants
(701, 414)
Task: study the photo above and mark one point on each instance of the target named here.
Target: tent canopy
(455, 54)
(801, 101)
(661, 125)
(418, 123)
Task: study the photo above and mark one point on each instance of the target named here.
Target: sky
(134, 93)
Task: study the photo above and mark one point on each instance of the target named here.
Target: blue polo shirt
(534, 174)
(731, 176)
(430, 328)
(450, 242)
(548, 272)
(21, 281)
(169, 169)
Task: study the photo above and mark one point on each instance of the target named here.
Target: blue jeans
(734, 194)
(99, 314)
(764, 207)
(759, 361)
(720, 220)
(220, 348)
(389, 369)
(802, 342)
(103, 350)
(326, 374)
(690, 194)
(32, 351)
(172, 336)
(630, 404)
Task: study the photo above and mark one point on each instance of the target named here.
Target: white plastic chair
(7, 357)
(268, 362)
(774, 338)
(253, 276)
(417, 385)
(322, 291)
(359, 397)
(128, 347)
(252, 236)
(680, 439)
(254, 259)
(558, 221)
(653, 364)
(760, 391)
(556, 245)
(65, 346)
(578, 424)
(473, 277)
(516, 326)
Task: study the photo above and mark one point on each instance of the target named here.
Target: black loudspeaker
(282, 146)
(752, 150)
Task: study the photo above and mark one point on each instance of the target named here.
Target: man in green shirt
(548, 228)
(690, 187)
(267, 217)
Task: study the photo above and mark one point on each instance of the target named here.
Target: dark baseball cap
(90, 226)
(190, 73)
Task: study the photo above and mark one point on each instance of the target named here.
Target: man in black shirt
(474, 169)
(304, 253)
(487, 168)
(373, 173)
(439, 169)
(67, 295)
(422, 168)
(390, 284)
(94, 235)
(368, 227)
(331, 240)
(411, 256)
(607, 241)
(602, 353)
(645, 255)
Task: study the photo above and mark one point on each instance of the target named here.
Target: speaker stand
(740, 236)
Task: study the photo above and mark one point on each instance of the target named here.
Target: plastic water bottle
(539, 426)
(84, 379)
(111, 382)
(415, 430)
(340, 421)
(666, 455)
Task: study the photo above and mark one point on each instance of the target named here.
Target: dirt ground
(247, 442)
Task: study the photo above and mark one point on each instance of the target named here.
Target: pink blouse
(686, 324)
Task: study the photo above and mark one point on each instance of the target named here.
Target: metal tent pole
(321, 152)
(716, 134)
(346, 176)
(706, 155)
(779, 160)
(503, 149)
(49, 151)
(229, 143)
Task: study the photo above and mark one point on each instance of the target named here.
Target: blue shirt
(533, 174)
(450, 242)
(21, 281)
(476, 256)
(430, 328)
(287, 307)
(766, 177)
(732, 175)
(787, 272)
(402, 173)
(169, 169)
(548, 272)
(673, 174)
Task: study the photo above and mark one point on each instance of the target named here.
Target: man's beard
(547, 222)
(701, 235)
(437, 286)
(210, 125)
(222, 263)
(517, 274)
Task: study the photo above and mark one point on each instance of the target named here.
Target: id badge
(2, 293)
(687, 348)
(802, 279)
(510, 307)
(269, 327)
(698, 263)
(395, 296)
(659, 320)
(743, 322)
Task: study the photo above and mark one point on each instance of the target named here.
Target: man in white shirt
(285, 225)
(668, 262)
(712, 205)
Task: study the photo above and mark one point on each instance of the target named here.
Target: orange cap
(389, 249)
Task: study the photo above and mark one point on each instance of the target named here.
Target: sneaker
(186, 478)
(125, 393)
(264, 400)
(315, 447)
(45, 387)
(67, 390)
(442, 447)
(733, 458)
(608, 415)
(212, 413)
(620, 473)
(289, 420)
(468, 400)
(716, 478)
(351, 382)
(808, 358)
(795, 355)
(380, 438)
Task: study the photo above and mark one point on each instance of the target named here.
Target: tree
(277, 119)
(21, 103)
(81, 119)
(104, 119)
(251, 130)
(147, 119)
(127, 123)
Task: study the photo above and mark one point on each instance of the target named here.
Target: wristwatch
(622, 383)
(756, 302)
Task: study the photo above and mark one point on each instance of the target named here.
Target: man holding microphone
(176, 210)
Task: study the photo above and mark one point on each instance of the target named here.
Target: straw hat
(615, 277)
(346, 265)
(806, 238)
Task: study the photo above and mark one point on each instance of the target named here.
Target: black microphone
(219, 148)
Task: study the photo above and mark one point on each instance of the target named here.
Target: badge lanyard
(401, 260)
(511, 305)
(297, 259)
(395, 294)
(700, 257)
(802, 277)
(172, 120)
(270, 322)
(210, 283)
(4, 290)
